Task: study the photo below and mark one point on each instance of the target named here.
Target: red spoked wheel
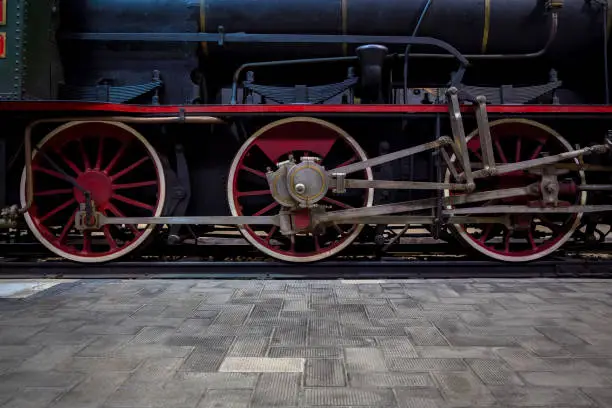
(249, 193)
(530, 236)
(119, 168)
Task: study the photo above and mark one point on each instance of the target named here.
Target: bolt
(300, 188)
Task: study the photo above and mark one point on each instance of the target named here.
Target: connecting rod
(542, 161)
(386, 158)
(417, 205)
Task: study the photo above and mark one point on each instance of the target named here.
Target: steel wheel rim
(249, 234)
(44, 235)
(549, 246)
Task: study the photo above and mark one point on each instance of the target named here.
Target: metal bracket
(340, 187)
(179, 191)
(87, 218)
(484, 131)
(459, 134)
(221, 31)
(9, 216)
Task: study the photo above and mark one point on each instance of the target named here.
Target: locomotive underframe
(442, 209)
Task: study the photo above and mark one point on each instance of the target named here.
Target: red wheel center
(98, 184)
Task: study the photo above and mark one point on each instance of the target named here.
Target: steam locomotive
(309, 126)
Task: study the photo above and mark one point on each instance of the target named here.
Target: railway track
(393, 267)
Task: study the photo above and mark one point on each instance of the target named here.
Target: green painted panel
(42, 70)
(11, 73)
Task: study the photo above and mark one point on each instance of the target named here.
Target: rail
(379, 269)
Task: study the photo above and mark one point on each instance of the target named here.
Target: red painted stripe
(2, 12)
(2, 45)
(282, 109)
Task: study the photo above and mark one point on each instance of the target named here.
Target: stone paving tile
(33, 398)
(226, 399)
(324, 373)
(539, 396)
(262, 365)
(277, 389)
(94, 389)
(290, 344)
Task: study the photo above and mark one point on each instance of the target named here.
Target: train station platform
(335, 343)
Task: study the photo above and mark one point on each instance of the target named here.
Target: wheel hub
(98, 184)
(298, 185)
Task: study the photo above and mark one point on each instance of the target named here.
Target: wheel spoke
(476, 151)
(518, 149)
(537, 151)
(270, 234)
(87, 241)
(129, 168)
(346, 163)
(69, 162)
(134, 185)
(57, 209)
(54, 192)
(549, 224)
(50, 172)
(253, 171)
(507, 241)
(109, 238)
(336, 202)
(253, 193)
(67, 228)
(133, 202)
(316, 242)
(84, 155)
(100, 151)
(531, 240)
(338, 229)
(485, 234)
(266, 209)
(118, 213)
(115, 159)
(500, 151)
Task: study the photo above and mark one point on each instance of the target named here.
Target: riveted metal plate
(12, 27)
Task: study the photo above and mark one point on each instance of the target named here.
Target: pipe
(554, 29)
(204, 120)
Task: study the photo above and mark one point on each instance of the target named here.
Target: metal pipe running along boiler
(471, 26)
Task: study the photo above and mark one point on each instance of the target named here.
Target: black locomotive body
(307, 124)
(504, 39)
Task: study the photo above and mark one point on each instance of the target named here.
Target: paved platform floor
(388, 343)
